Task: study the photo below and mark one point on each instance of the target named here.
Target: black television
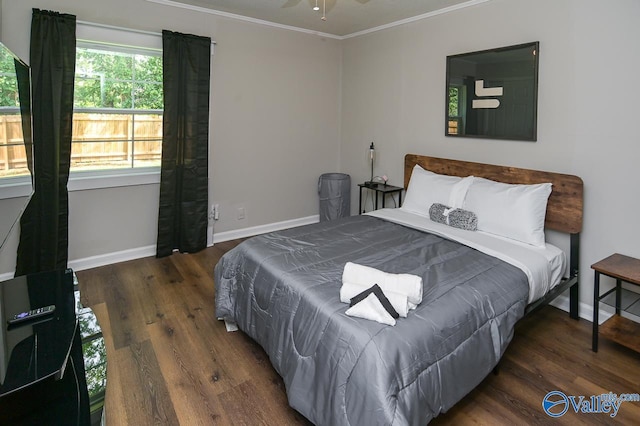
(16, 145)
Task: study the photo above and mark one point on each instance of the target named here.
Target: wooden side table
(617, 328)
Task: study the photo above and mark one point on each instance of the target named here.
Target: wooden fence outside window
(100, 141)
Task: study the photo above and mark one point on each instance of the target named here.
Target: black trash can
(334, 190)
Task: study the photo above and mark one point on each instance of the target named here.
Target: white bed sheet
(543, 266)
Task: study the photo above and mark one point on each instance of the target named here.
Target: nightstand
(617, 328)
(380, 189)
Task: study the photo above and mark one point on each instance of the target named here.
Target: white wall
(274, 124)
(393, 94)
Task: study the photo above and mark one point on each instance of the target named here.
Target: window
(118, 102)
(455, 118)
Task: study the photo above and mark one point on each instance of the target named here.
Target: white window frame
(128, 41)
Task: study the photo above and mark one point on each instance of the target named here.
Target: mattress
(544, 266)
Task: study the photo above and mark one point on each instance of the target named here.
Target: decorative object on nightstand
(380, 189)
(372, 156)
(617, 328)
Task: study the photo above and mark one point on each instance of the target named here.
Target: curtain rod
(113, 27)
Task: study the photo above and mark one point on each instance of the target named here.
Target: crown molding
(416, 18)
(318, 33)
(243, 18)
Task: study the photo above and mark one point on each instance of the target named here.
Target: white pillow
(426, 188)
(512, 211)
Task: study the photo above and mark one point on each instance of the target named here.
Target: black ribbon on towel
(377, 291)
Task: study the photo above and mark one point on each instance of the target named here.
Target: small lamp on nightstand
(372, 156)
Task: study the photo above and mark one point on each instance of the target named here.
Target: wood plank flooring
(171, 362)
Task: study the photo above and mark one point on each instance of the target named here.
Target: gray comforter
(282, 289)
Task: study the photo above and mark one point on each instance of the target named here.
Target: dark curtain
(182, 216)
(44, 225)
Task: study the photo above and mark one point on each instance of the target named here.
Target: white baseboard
(585, 311)
(263, 229)
(111, 258)
(147, 251)
(101, 259)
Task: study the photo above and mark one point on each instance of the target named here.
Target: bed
(283, 290)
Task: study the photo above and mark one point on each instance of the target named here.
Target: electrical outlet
(241, 213)
(214, 212)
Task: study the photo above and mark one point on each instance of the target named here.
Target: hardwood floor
(169, 361)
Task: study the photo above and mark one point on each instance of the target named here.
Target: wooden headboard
(564, 209)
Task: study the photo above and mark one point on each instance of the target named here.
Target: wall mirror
(493, 93)
(16, 179)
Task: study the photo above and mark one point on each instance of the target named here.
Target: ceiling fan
(325, 5)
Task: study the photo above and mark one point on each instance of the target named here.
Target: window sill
(82, 181)
(15, 187)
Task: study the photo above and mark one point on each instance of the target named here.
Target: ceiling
(344, 18)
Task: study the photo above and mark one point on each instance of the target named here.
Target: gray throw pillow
(458, 218)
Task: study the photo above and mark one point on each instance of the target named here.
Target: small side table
(380, 188)
(617, 328)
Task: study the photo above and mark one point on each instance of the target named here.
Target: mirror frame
(493, 93)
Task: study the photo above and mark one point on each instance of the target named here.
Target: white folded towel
(370, 308)
(400, 302)
(406, 284)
